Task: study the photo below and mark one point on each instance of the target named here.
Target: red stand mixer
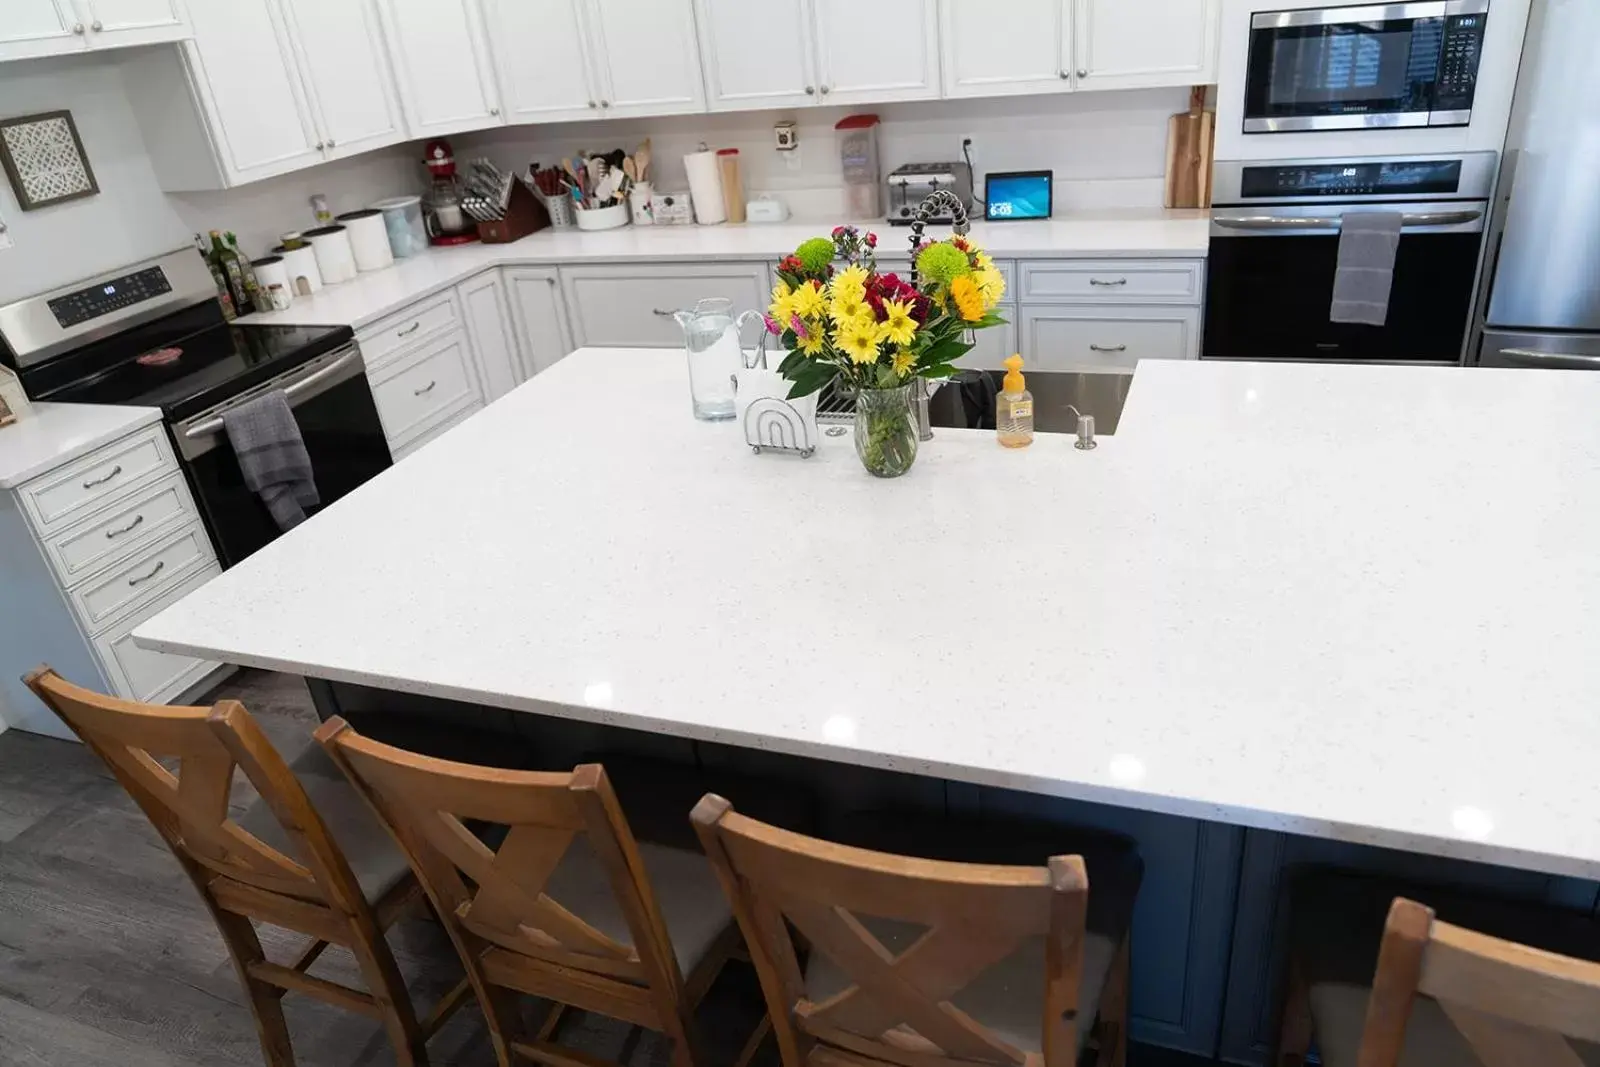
(446, 219)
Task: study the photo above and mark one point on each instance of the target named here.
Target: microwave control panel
(1458, 62)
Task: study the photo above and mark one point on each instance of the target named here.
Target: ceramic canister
(301, 266)
(335, 258)
(369, 238)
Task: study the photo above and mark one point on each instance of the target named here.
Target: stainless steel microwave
(1373, 66)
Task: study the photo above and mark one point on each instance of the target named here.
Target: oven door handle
(1527, 357)
(310, 381)
(1285, 222)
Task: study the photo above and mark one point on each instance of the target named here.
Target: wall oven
(1372, 66)
(1275, 247)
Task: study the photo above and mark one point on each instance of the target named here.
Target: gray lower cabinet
(631, 306)
(540, 316)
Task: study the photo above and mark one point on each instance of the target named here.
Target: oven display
(102, 299)
(1411, 178)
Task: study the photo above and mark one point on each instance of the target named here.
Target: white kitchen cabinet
(632, 306)
(540, 316)
(1133, 44)
(1115, 338)
(995, 345)
(426, 389)
(757, 55)
(30, 28)
(541, 55)
(441, 58)
(494, 343)
(878, 50)
(340, 50)
(1006, 47)
(645, 57)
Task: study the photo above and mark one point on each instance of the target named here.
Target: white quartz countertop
(1139, 234)
(1354, 603)
(56, 433)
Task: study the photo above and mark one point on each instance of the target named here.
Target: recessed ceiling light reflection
(840, 729)
(1472, 822)
(1129, 770)
(597, 694)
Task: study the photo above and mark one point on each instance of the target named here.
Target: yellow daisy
(899, 327)
(815, 341)
(968, 300)
(858, 340)
(903, 361)
(849, 284)
(808, 301)
(992, 284)
(984, 260)
(782, 300)
(846, 311)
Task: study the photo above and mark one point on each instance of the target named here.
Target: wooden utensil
(630, 168)
(1190, 136)
(641, 159)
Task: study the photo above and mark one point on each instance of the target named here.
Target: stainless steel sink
(968, 400)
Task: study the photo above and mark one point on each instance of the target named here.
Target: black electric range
(169, 346)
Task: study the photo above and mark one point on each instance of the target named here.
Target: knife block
(524, 215)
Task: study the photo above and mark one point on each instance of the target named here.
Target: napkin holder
(772, 422)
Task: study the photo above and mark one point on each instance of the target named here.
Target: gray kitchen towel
(272, 457)
(1368, 241)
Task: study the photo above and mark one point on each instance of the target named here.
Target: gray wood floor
(107, 958)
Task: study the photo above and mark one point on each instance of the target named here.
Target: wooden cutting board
(1190, 136)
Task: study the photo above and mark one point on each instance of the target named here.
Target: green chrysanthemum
(942, 264)
(815, 255)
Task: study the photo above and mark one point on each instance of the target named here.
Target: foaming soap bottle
(1013, 416)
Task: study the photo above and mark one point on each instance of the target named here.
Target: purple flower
(798, 327)
(773, 326)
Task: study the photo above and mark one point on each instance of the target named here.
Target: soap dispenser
(1013, 417)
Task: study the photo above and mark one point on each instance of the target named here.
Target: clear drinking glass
(711, 337)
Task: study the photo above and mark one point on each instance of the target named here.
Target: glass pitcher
(711, 336)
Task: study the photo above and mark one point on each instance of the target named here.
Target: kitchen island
(1287, 612)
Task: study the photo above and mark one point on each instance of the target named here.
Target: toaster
(910, 184)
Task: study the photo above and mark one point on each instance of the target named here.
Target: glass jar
(886, 430)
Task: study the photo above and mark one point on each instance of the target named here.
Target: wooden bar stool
(1439, 994)
(568, 906)
(307, 856)
(920, 962)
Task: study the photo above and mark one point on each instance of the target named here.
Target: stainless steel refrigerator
(1544, 302)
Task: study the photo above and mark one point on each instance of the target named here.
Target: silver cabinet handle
(409, 330)
(1108, 348)
(92, 482)
(593, 104)
(494, 111)
(605, 103)
(1108, 285)
(1066, 75)
(811, 90)
(1083, 73)
(160, 566)
(138, 521)
(96, 26)
(826, 90)
(331, 142)
(321, 145)
(425, 389)
(664, 313)
(1570, 360)
(77, 28)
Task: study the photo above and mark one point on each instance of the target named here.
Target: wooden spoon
(641, 159)
(630, 168)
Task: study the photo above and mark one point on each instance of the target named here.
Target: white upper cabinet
(1005, 47)
(869, 51)
(1131, 44)
(441, 58)
(347, 77)
(40, 28)
(542, 58)
(645, 57)
(757, 55)
(245, 74)
(115, 23)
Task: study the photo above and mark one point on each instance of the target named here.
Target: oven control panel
(1408, 177)
(111, 295)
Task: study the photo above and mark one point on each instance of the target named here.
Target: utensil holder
(524, 215)
(561, 211)
(604, 218)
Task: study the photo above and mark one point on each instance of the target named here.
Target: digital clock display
(1016, 196)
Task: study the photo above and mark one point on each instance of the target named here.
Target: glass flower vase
(886, 430)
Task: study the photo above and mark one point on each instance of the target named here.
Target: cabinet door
(40, 28)
(646, 59)
(119, 23)
(1129, 44)
(483, 305)
(541, 317)
(441, 60)
(251, 89)
(542, 58)
(341, 54)
(756, 55)
(878, 50)
(633, 306)
(1004, 47)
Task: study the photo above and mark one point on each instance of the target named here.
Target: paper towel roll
(705, 187)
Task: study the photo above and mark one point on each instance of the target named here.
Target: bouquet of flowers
(874, 330)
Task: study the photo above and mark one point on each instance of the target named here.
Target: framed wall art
(44, 159)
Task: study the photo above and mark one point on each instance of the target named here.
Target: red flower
(961, 243)
(875, 302)
(838, 232)
(921, 309)
(872, 240)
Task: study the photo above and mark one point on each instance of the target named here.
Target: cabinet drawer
(143, 578)
(631, 307)
(426, 389)
(1111, 281)
(1107, 339)
(405, 329)
(140, 674)
(73, 491)
(121, 529)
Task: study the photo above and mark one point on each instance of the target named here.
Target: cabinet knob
(77, 28)
(825, 90)
(96, 26)
(593, 104)
(494, 111)
(1083, 74)
(605, 103)
(321, 145)
(811, 90)
(1066, 75)
(330, 142)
